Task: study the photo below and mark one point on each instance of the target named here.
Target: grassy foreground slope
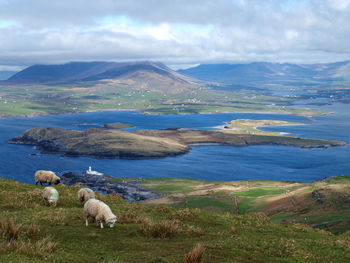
(323, 204)
(150, 234)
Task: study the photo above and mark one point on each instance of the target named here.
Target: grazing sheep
(50, 195)
(84, 194)
(42, 176)
(100, 212)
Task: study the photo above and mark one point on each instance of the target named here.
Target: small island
(117, 126)
(140, 144)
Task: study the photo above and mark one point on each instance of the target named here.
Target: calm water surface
(203, 162)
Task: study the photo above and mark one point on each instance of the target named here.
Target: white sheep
(84, 194)
(42, 176)
(50, 195)
(100, 212)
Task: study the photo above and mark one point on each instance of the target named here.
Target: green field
(30, 231)
(30, 99)
(323, 204)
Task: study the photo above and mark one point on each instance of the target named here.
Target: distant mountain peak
(84, 71)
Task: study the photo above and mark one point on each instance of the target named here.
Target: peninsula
(138, 144)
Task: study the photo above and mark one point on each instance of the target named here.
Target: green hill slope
(149, 234)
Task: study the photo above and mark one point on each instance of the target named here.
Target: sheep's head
(57, 181)
(52, 202)
(111, 221)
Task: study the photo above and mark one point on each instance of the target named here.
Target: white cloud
(176, 32)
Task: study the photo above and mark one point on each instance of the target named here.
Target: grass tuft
(164, 229)
(40, 248)
(10, 230)
(32, 231)
(127, 218)
(195, 255)
(233, 230)
(185, 214)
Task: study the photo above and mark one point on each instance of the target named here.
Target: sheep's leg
(99, 220)
(49, 183)
(36, 183)
(41, 183)
(86, 219)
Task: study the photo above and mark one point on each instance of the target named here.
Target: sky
(179, 33)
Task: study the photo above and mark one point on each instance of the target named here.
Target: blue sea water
(203, 162)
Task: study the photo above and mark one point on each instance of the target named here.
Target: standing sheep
(85, 194)
(50, 195)
(100, 212)
(42, 176)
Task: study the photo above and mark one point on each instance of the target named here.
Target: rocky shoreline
(130, 190)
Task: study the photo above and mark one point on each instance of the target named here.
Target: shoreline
(144, 112)
(222, 127)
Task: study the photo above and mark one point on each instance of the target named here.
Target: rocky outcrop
(128, 190)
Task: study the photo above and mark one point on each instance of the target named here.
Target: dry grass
(195, 255)
(164, 229)
(185, 214)
(127, 218)
(40, 248)
(32, 231)
(233, 230)
(162, 209)
(10, 230)
(23, 200)
(116, 261)
(56, 217)
(193, 230)
(23, 244)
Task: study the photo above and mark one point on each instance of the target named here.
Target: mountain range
(252, 74)
(265, 72)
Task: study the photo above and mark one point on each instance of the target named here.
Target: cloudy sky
(177, 32)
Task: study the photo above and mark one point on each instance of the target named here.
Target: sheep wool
(49, 177)
(84, 194)
(100, 212)
(50, 195)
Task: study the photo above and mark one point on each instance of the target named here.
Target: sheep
(84, 194)
(100, 212)
(42, 176)
(50, 195)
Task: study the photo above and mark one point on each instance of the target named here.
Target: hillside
(323, 204)
(149, 233)
(276, 73)
(148, 86)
